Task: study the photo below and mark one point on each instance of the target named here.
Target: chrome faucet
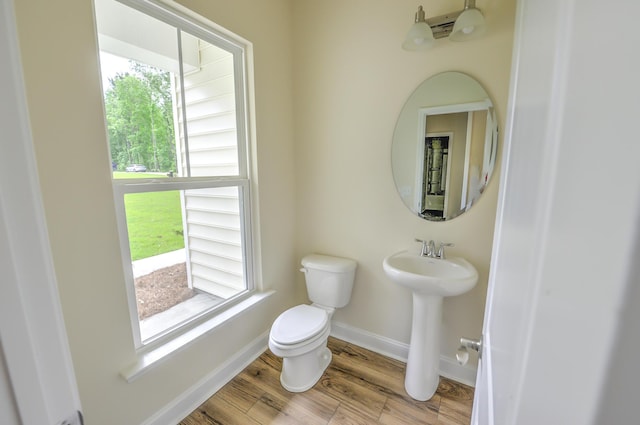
(429, 249)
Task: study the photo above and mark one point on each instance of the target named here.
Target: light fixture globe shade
(470, 24)
(419, 37)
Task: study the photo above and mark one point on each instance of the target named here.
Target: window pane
(174, 284)
(152, 121)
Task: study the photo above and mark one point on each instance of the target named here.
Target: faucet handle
(440, 253)
(425, 247)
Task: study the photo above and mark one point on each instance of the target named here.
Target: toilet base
(300, 373)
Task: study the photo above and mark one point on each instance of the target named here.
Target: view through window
(174, 106)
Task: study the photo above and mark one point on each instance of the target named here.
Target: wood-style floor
(359, 387)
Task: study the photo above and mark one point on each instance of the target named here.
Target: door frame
(32, 333)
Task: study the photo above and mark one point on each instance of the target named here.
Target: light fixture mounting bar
(443, 25)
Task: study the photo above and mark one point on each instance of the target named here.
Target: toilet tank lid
(329, 263)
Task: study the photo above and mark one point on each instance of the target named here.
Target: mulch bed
(162, 289)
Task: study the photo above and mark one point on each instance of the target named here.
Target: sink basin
(430, 279)
(433, 276)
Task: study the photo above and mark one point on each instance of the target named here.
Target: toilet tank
(329, 279)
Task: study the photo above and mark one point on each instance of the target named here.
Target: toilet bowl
(300, 334)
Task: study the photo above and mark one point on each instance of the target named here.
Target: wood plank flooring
(359, 387)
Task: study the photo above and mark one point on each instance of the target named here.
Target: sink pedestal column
(423, 365)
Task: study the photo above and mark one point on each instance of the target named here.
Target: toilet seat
(299, 324)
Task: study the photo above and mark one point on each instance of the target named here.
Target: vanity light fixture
(458, 26)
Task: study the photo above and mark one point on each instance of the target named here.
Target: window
(175, 110)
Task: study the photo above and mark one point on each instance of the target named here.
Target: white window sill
(148, 360)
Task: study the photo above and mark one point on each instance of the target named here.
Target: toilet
(299, 335)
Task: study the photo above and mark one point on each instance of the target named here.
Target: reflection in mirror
(444, 146)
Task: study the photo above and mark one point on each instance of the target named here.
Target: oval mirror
(444, 146)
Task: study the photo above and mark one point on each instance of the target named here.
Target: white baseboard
(370, 341)
(193, 397)
(449, 367)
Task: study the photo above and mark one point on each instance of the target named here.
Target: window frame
(242, 181)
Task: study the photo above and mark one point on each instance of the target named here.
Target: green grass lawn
(125, 175)
(154, 220)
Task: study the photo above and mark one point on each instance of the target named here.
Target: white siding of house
(211, 216)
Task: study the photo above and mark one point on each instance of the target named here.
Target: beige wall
(60, 61)
(351, 81)
(325, 182)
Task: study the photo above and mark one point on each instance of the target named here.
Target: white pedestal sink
(430, 280)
